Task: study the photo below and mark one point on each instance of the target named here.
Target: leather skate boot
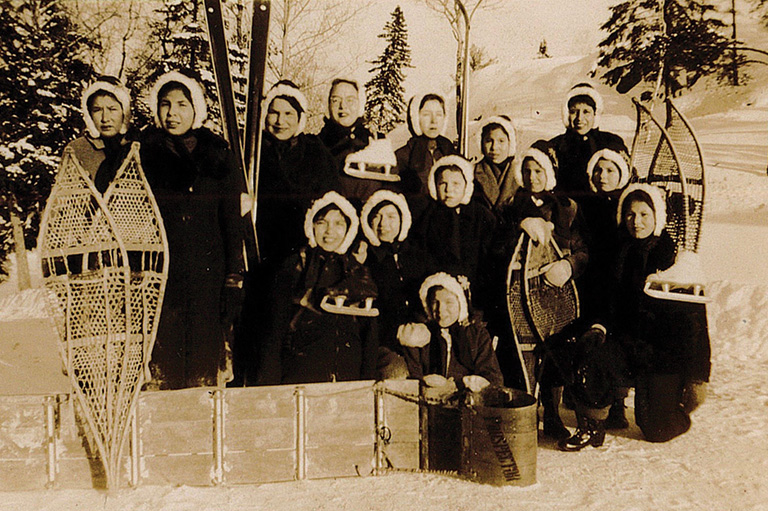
(589, 432)
(552, 424)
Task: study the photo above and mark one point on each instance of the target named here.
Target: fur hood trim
(360, 94)
(346, 208)
(612, 156)
(374, 200)
(283, 89)
(450, 283)
(413, 114)
(195, 91)
(506, 124)
(542, 159)
(118, 91)
(584, 89)
(467, 169)
(657, 199)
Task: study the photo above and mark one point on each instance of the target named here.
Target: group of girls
(364, 278)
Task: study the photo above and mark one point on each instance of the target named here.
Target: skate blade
(335, 306)
(692, 293)
(358, 169)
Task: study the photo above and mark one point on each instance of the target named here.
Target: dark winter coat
(457, 241)
(101, 158)
(573, 153)
(495, 184)
(602, 239)
(292, 174)
(398, 269)
(660, 336)
(414, 161)
(198, 194)
(471, 353)
(561, 211)
(342, 141)
(306, 344)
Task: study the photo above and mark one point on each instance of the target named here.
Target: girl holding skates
(308, 343)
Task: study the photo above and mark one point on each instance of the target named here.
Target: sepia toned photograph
(326, 255)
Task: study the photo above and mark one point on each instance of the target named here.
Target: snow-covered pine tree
(385, 104)
(177, 41)
(44, 65)
(680, 38)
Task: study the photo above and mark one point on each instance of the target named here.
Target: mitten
(557, 274)
(538, 229)
(475, 382)
(413, 335)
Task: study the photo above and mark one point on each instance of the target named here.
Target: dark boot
(552, 424)
(589, 432)
(617, 418)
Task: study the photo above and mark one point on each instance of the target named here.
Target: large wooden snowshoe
(536, 309)
(375, 161)
(104, 262)
(670, 158)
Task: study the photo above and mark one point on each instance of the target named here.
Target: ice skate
(375, 161)
(682, 282)
(340, 305)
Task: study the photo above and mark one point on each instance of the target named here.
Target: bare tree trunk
(734, 56)
(20, 248)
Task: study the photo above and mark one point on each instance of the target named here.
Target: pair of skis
(247, 148)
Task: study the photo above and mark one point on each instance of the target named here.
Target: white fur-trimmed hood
(413, 114)
(467, 169)
(612, 156)
(283, 89)
(379, 196)
(584, 89)
(346, 208)
(506, 124)
(195, 91)
(118, 91)
(542, 159)
(657, 199)
(449, 283)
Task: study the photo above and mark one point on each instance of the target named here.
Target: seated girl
(449, 347)
(309, 341)
(455, 230)
(397, 268)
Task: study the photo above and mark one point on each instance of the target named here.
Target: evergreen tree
(177, 41)
(385, 106)
(44, 67)
(679, 38)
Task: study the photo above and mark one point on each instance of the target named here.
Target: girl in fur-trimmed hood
(305, 343)
(494, 176)
(426, 121)
(106, 107)
(455, 230)
(449, 348)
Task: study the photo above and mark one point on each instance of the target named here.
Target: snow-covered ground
(720, 464)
